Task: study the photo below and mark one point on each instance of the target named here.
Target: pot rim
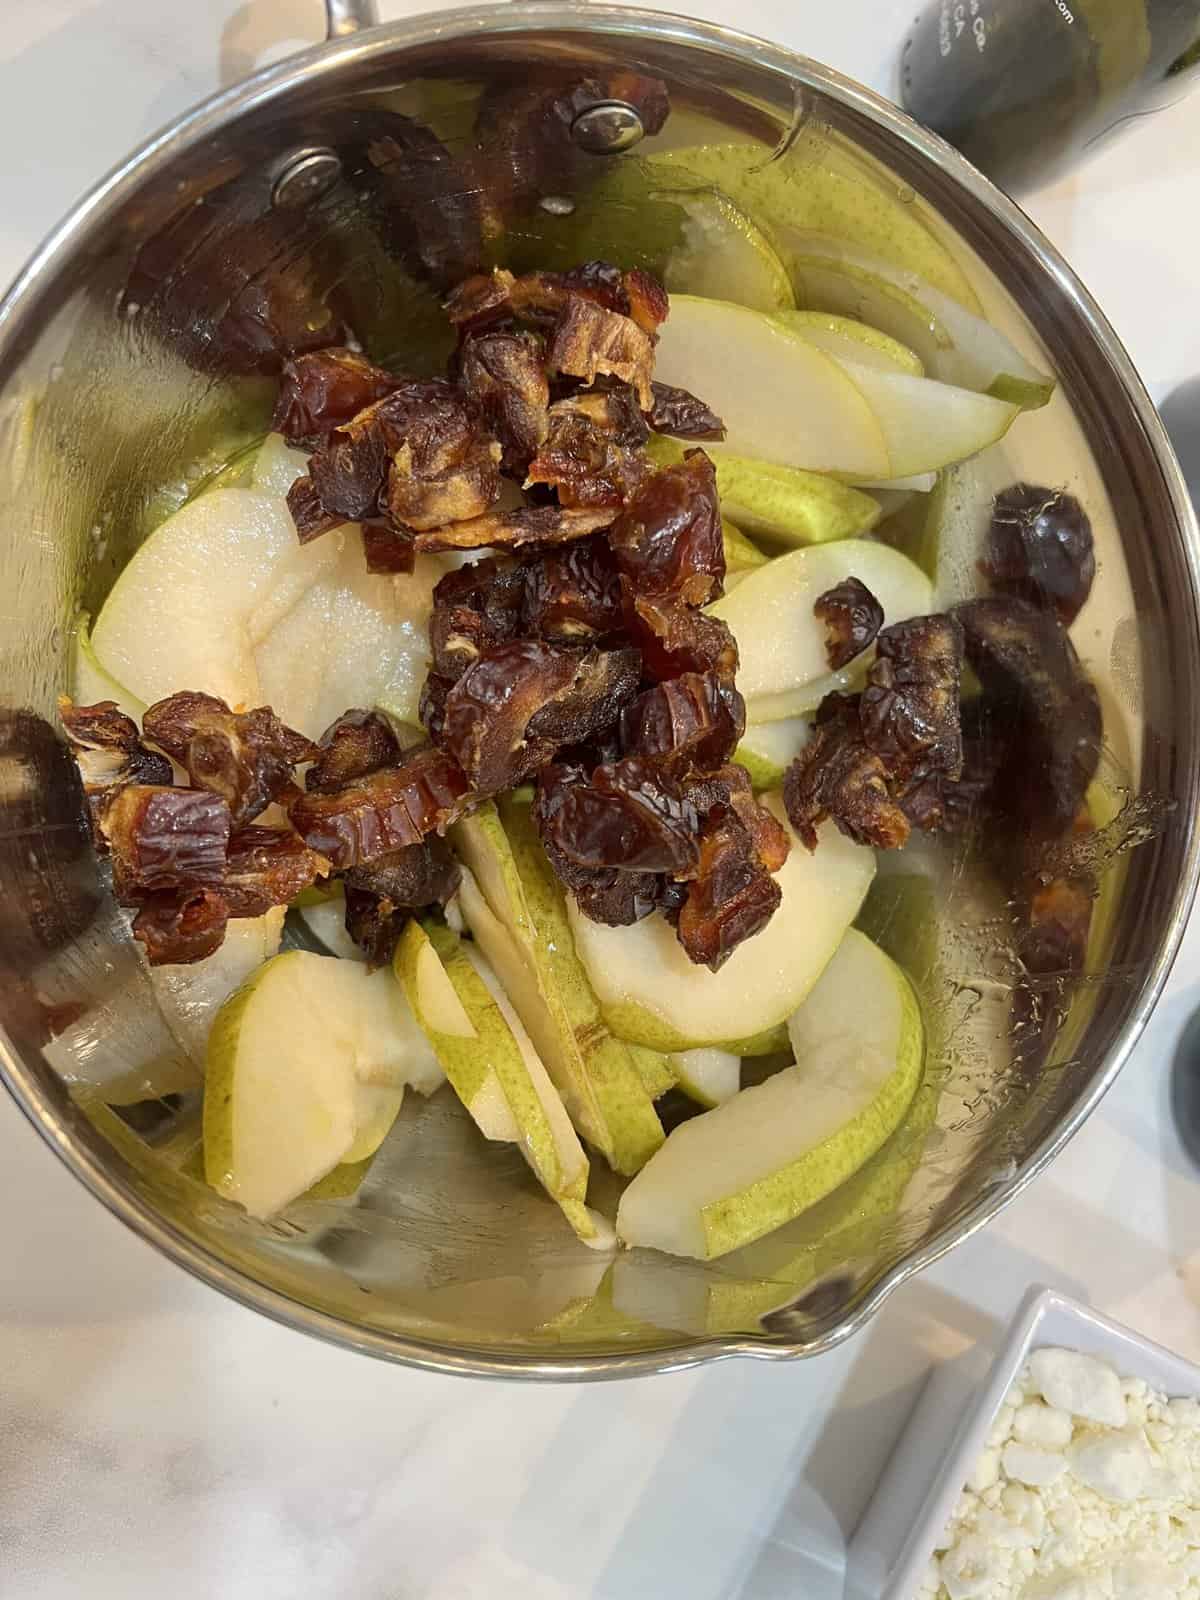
(19, 307)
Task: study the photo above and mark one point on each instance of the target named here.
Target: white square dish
(921, 1483)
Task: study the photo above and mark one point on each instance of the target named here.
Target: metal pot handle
(343, 17)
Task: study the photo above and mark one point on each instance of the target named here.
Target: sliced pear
(740, 554)
(513, 905)
(189, 996)
(493, 1066)
(736, 1173)
(799, 408)
(324, 924)
(928, 425)
(955, 344)
(207, 587)
(855, 341)
(767, 749)
(289, 1057)
(356, 638)
(709, 1077)
(656, 1070)
(651, 993)
(823, 188)
(782, 504)
(90, 682)
(277, 465)
(783, 666)
(724, 255)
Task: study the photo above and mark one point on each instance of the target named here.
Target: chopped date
(179, 928)
(583, 462)
(589, 342)
(424, 501)
(730, 787)
(359, 742)
(1040, 549)
(387, 550)
(474, 607)
(267, 867)
(629, 815)
(852, 618)
(308, 513)
(838, 775)
(909, 712)
(731, 898)
(572, 594)
(323, 390)
(668, 540)
(693, 719)
(417, 876)
(681, 414)
(518, 702)
(481, 300)
(505, 374)
(349, 471)
(374, 924)
(108, 751)
(511, 530)
(613, 412)
(164, 838)
(431, 708)
(245, 757)
(1030, 671)
(675, 638)
(383, 811)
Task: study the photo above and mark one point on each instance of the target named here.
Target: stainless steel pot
(125, 354)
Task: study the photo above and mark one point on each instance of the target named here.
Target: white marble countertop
(154, 1435)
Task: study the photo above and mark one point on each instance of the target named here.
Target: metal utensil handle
(348, 16)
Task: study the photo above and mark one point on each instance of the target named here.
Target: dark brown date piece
(837, 775)
(165, 839)
(359, 742)
(852, 618)
(181, 928)
(382, 812)
(694, 719)
(324, 390)
(668, 539)
(1040, 549)
(681, 414)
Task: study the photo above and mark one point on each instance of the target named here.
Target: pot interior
(137, 364)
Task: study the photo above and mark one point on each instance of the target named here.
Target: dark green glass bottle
(1025, 87)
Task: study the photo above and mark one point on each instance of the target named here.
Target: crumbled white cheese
(1088, 1489)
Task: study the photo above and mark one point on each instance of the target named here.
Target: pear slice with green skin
(929, 425)
(741, 555)
(724, 255)
(513, 905)
(783, 667)
(767, 749)
(738, 1172)
(190, 995)
(91, 682)
(277, 465)
(709, 346)
(656, 1071)
(708, 1076)
(215, 577)
(854, 341)
(822, 188)
(785, 505)
(289, 1055)
(955, 345)
(493, 1066)
(651, 993)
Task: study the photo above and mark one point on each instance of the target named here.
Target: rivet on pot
(607, 128)
(557, 205)
(306, 177)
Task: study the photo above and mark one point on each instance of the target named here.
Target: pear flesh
(215, 578)
(739, 1171)
(493, 1066)
(277, 465)
(724, 255)
(783, 668)
(652, 994)
(709, 1077)
(928, 425)
(847, 339)
(760, 377)
(295, 1060)
(767, 749)
(190, 995)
